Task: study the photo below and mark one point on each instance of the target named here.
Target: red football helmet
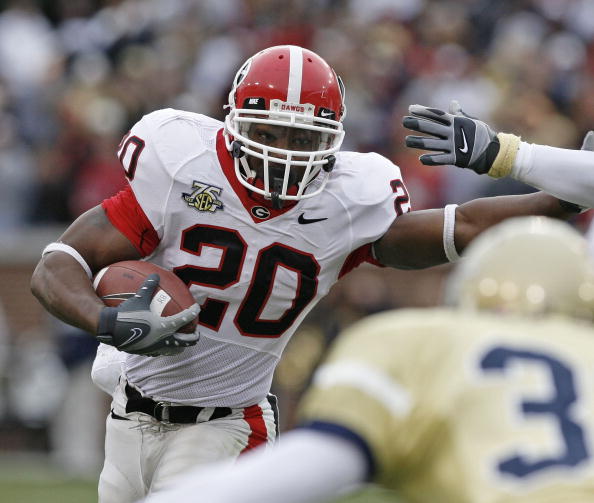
(286, 111)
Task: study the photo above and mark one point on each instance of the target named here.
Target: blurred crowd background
(75, 75)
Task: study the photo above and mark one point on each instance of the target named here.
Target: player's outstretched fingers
(428, 143)
(426, 126)
(437, 159)
(434, 114)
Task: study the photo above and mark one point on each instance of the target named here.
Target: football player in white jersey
(460, 140)
(490, 401)
(259, 216)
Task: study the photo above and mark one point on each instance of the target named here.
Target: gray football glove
(460, 140)
(134, 328)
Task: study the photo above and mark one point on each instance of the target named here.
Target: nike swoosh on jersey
(303, 220)
(464, 147)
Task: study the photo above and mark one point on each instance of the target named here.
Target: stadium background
(76, 74)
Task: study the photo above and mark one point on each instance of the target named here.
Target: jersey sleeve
(149, 177)
(152, 153)
(374, 195)
(371, 389)
(564, 173)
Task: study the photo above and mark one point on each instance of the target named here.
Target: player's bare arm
(62, 283)
(415, 239)
(59, 281)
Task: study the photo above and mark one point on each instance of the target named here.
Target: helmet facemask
(285, 173)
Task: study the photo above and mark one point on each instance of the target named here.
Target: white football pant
(143, 455)
(107, 368)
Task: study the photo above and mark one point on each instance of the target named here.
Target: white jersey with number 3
(255, 271)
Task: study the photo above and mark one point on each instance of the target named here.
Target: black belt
(161, 411)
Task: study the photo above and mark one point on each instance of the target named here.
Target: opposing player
(259, 216)
(458, 139)
(490, 401)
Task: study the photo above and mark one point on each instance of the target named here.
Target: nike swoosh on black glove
(458, 139)
(134, 328)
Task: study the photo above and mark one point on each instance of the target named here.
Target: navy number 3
(557, 408)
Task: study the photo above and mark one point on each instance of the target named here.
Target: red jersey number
(129, 151)
(402, 198)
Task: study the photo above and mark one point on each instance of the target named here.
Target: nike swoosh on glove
(132, 326)
(457, 139)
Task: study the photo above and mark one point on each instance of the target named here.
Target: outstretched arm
(415, 240)
(458, 139)
(567, 174)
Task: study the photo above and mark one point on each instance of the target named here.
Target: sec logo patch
(204, 197)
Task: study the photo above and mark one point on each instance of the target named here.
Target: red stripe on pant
(259, 432)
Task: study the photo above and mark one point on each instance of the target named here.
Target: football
(118, 282)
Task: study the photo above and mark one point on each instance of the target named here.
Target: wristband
(504, 162)
(106, 325)
(449, 223)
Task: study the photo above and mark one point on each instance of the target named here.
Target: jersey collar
(259, 210)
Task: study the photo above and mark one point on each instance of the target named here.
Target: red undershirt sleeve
(127, 216)
(357, 257)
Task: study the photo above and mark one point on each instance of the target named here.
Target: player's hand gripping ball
(149, 310)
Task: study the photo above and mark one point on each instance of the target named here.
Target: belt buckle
(164, 411)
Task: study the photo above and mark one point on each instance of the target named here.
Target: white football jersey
(255, 271)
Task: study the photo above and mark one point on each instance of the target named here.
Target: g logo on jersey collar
(260, 212)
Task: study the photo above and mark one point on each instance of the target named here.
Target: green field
(33, 480)
(78, 491)
(48, 491)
